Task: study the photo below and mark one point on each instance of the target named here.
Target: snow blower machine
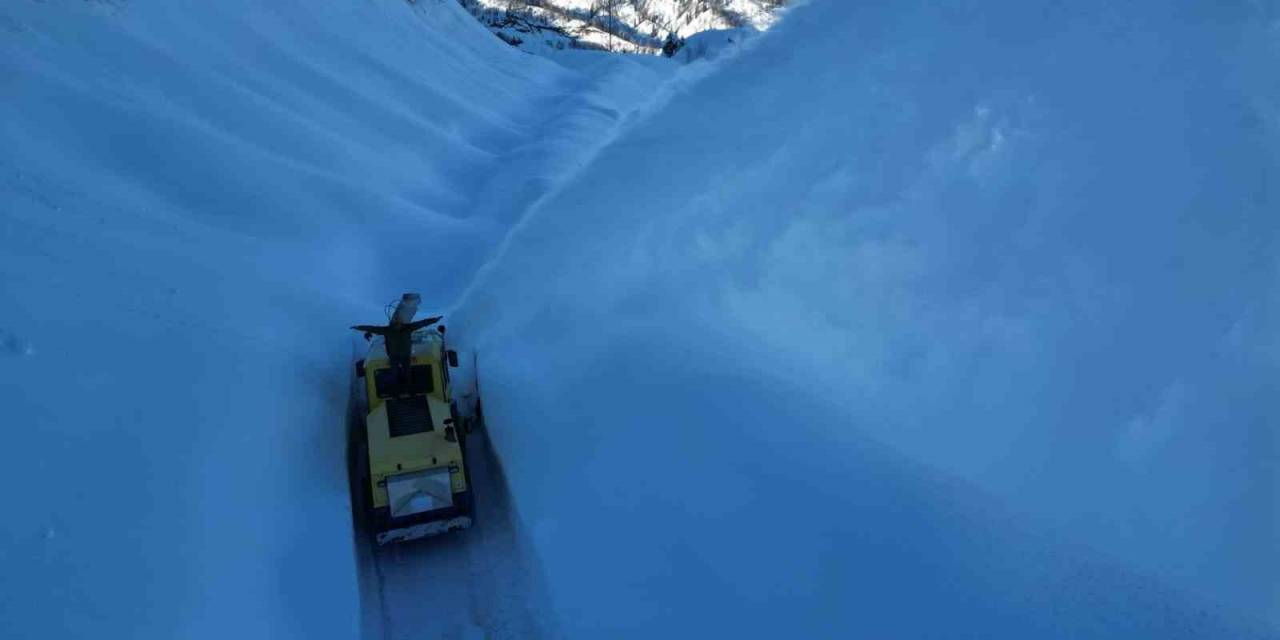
(411, 461)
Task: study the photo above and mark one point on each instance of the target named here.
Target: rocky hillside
(635, 26)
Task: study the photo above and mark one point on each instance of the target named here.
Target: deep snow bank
(963, 323)
(195, 200)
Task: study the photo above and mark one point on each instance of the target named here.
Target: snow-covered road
(484, 582)
(479, 583)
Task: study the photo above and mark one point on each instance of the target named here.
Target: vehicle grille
(407, 416)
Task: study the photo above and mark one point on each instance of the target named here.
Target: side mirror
(360, 368)
(453, 357)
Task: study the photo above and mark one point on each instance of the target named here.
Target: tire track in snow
(484, 582)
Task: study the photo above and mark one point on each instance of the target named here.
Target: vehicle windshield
(420, 382)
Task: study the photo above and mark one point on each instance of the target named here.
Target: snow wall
(196, 200)
(941, 320)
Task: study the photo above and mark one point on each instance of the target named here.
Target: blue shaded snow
(927, 321)
(924, 321)
(196, 200)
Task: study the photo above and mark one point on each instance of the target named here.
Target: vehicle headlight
(419, 492)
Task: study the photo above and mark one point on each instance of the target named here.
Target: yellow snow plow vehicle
(414, 440)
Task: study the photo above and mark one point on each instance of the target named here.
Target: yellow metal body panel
(390, 456)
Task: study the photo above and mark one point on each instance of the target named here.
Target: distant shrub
(671, 45)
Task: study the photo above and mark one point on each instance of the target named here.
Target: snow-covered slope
(636, 26)
(916, 321)
(963, 323)
(196, 200)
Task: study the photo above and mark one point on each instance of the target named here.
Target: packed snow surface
(936, 320)
(914, 321)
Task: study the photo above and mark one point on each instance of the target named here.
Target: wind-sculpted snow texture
(196, 200)
(943, 320)
(918, 322)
